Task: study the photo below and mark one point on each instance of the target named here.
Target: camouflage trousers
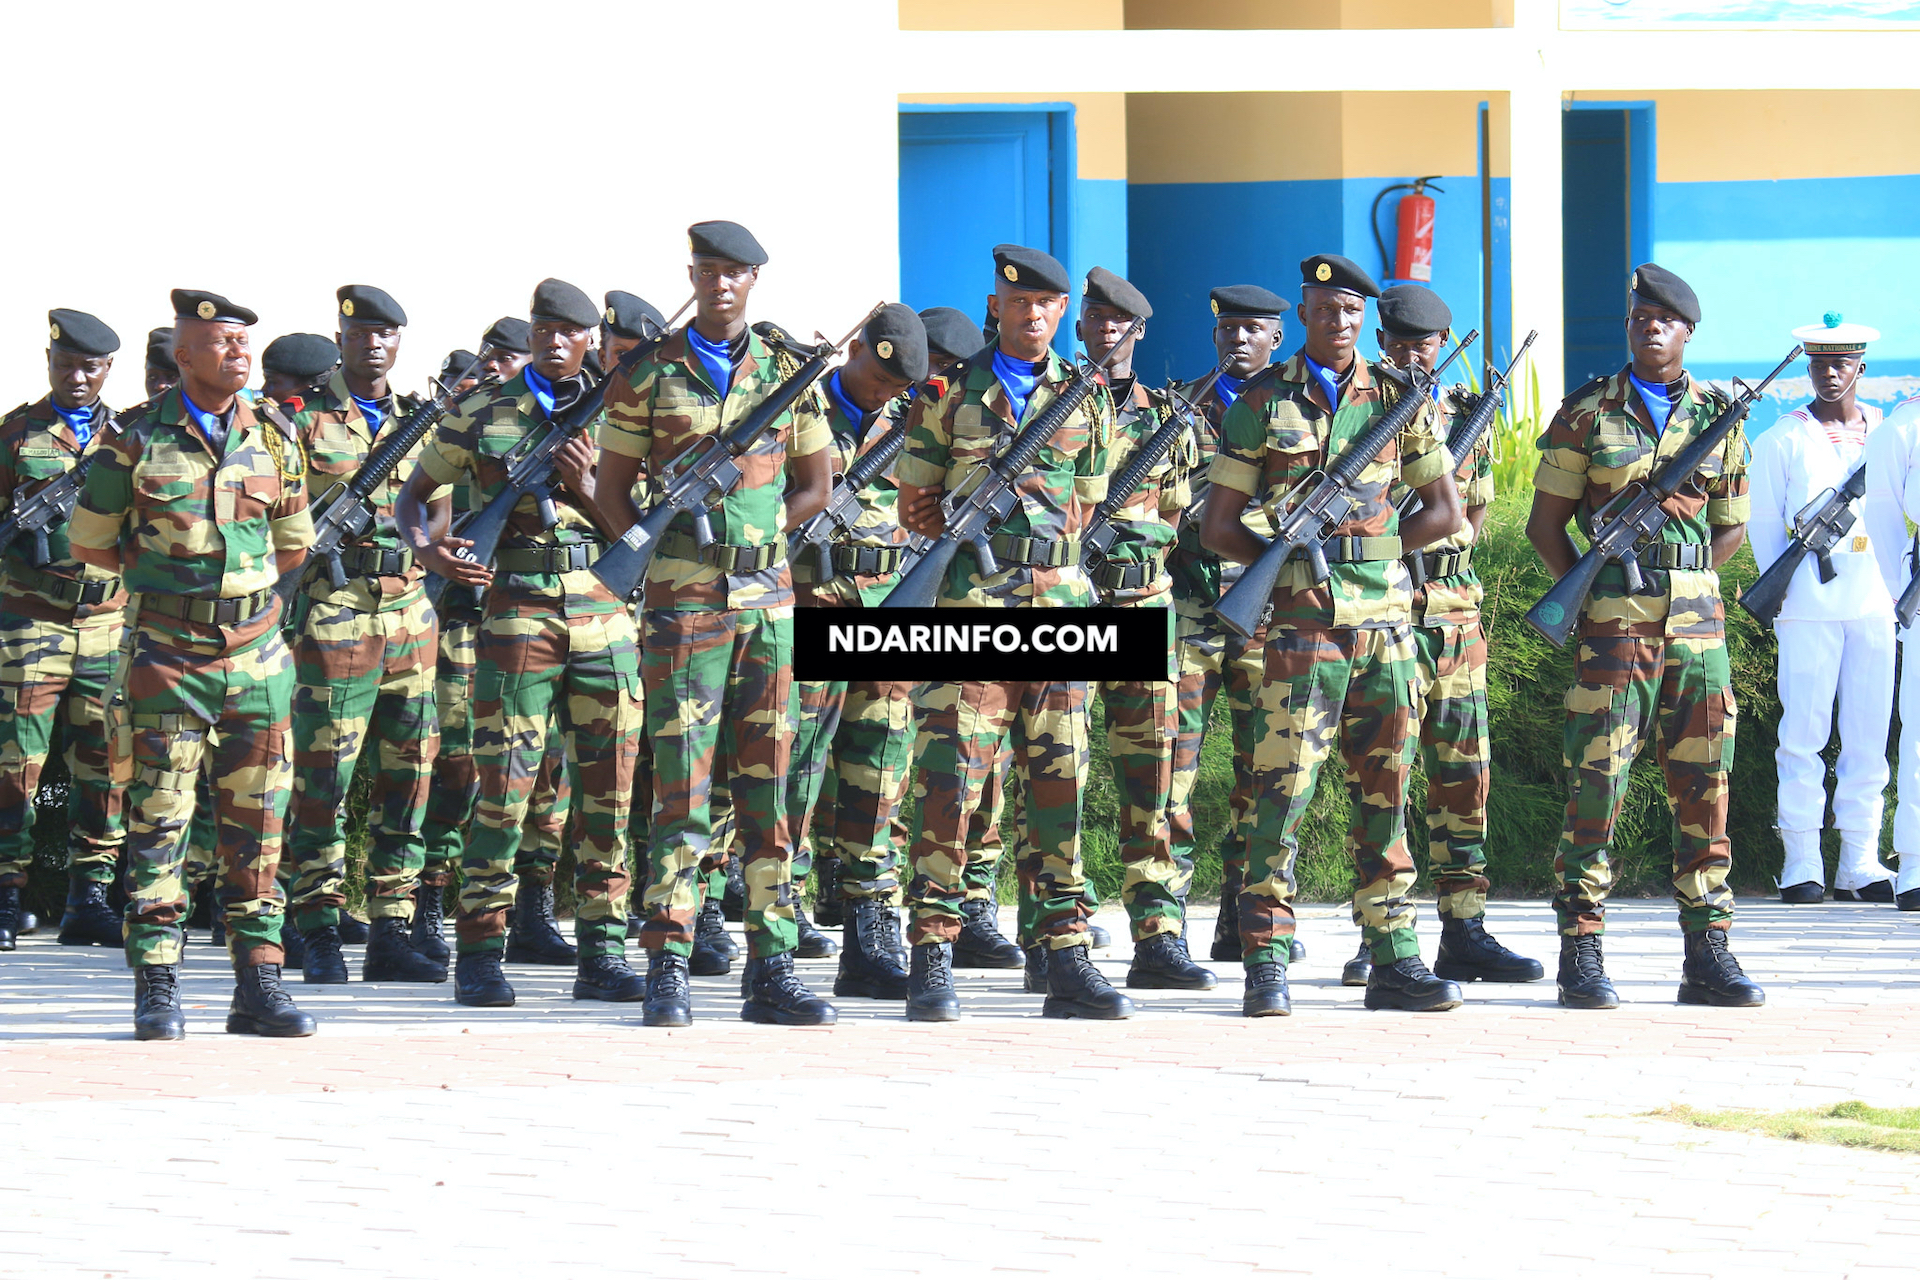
(538, 677)
(1450, 705)
(1212, 659)
(362, 681)
(868, 771)
(964, 730)
(1351, 690)
(54, 675)
(1680, 690)
(821, 705)
(174, 699)
(721, 703)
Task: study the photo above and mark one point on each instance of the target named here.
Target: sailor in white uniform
(1836, 637)
(1893, 508)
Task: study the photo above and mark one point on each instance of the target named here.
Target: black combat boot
(354, 930)
(478, 980)
(981, 945)
(1296, 950)
(1878, 891)
(1098, 939)
(156, 1004)
(428, 934)
(9, 917)
(535, 937)
(1076, 989)
(262, 1007)
(1908, 899)
(669, 998)
(607, 977)
(829, 911)
(1406, 984)
(1161, 963)
(1226, 928)
(1357, 971)
(325, 963)
(391, 958)
(713, 949)
(733, 903)
(1710, 974)
(88, 921)
(1468, 952)
(1583, 975)
(1806, 893)
(1034, 981)
(1266, 992)
(868, 964)
(887, 929)
(930, 993)
(776, 995)
(814, 945)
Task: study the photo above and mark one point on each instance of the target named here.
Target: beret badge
(1323, 272)
(1011, 273)
(883, 349)
(206, 310)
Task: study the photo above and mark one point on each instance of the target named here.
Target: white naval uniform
(1836, 638)
(1893, 499)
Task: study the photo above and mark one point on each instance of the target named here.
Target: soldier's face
(1250, 340)
(613, 346)
(75, 379)
(159, 380)
(720, 288)
(1028, 319)
(939, 363)
(1101, 327)
(559, 347)
(279, 387)
(1656, 335)
(867, 382)
(502, 363)
(368, 351)
(215, 356)
(1333, 319)
(1406, 353)
(1834, 375)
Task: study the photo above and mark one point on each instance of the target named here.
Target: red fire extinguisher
(1413, 222)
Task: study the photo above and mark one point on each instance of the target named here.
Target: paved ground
(412, 1137)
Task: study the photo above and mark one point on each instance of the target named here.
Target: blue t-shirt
(842, 401)
(717, 357)
(375, 412)
(1329, 380)
(1226, 389)
(79, 421)
(538, 384)
(1018, 378)
(212, 425)
(1657, 397)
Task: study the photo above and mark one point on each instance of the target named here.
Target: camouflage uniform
(1339, 658)
(966, 725)
(197, 529)
(556, 655)
(1653, 661)
(60, 631)
(456, 780)
(718, 626)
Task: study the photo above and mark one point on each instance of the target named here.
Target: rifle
(40, 511)
(1460, 444)
(706, 471)
(1098, 537)
(1909, 602)
(837, 519)
(972, 519)
(1638, 518)
(1819, 525)
(1324, 499)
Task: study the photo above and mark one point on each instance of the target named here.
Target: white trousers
(1853, 661)
(1906, 817)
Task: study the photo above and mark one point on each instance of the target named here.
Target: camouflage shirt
(1455, 601)
(192, 522)
(1278, 433)
(37, 446)
(966, 420)
(879, 522)
(338, 441)
(1603, 440)
(1199, 576)
(669, 403)
(1146, 526)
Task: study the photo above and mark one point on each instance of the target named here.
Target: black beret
(198, 304)
(303, 355)
(160, 350)
(81, 333)
(1247, 300)
(632, 316)
(558, 300)
(1025, 268)
(950, 332)
(364, 304)
(1331, 271)
(457, 363)
(1413, 311)
(509, 333)
(898, 340)
(1106, 287)
(1655, 284)
(725, 240)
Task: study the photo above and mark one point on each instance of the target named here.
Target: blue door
(968, 180)
(1598, 230)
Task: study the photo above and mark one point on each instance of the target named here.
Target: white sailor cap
(1834, 336)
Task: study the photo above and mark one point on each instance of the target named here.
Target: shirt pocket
(1619, 453)
(35, 462)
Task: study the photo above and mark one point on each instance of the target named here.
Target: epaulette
(291, 462)
(17, 410)
(1587, 388)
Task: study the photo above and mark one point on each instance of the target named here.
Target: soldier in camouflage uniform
(1653, 661)
(201, 506)
(59, 640)
(296, 367)
(966, 725)
(718, 622)
(160, 372)
(556, 654)
(1340, 655)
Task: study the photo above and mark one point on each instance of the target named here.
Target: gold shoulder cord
(278, 440)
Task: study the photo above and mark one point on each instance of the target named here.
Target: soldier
(464, 368)
(1339, 658)
(363, 668)
(201, 506)
(296, 367)
(161, 372)
(557, 654)
(1653, 661)
(1893, 502)
(59, 639)
(505, 348)
(966, 725)
(628, 321)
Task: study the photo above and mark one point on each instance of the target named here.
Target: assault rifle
(837, 519)
(1319, 503)
(39, 512)
(1818, 526)
(1098, 537)
(1635, 515)
(971, 519)
(1908, 604)
(706, 471)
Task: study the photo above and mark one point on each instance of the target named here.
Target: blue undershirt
(1656, 397)
(375, 414)
(538, 384)
(842, 401)
(1329, 380)
(716, 357)
(1017, 378)
(212, 425)
(1226, 389)
(79, 421)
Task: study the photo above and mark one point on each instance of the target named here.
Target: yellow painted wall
(1291, 137)
(1012, 15)
(1750, 135)
(1100, 125)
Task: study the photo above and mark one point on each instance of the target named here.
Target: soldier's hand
(922, 513)
(574, 462)
(443, 556)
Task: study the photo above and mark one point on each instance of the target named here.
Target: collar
(79, 421)
(837, 394)
(541, 388)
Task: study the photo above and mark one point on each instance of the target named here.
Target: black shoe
(1406, 984)
(29, 922)
(428, 934)
(391, 958)
(1161, 963)
(776, 995)
(535, 936)
(1710, 974)
(930, 994)
(1034, 981)
(1908, 901)
(324, 962)
(1582, 978)
(1359, 970)
(887, 929)
(1076, 989)
(156, 1004)
(669, 995)
(478, 980)
(1878, 891)
(981, 944)
(1804, 893)
(1098, 939)
(262, 1007)
(868, 964)
(829, 911)
(1226, 928)
(814, 945)
(9, 917)
(1296, 950)
(608, 978)
(1468, 952)
(353, 930)
(733, 902)
(1266, 994)
(89, 921)
(636, 925)
(713, 949)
